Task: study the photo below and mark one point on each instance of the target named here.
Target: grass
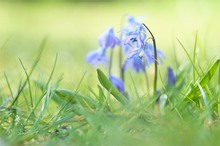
(49, 96)
(97, 120)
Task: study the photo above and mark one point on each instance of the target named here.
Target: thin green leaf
(110, 88)
(205, 102)
(204, 80)
(28, 81)
(194, 57)
(41, 48)
(9, 87)
(211, 71)
(187, 53)
(218, 88)
(101, 95)
(65, 96)
(102, 99)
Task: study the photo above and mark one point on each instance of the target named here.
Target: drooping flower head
(133, 34)
(105, 40)
(118, 83)
(136, 38)
(132, 22)
(149, 52)
(138, 59)
(97, 57)
(108, 39)
(134, 61)
(171, 78)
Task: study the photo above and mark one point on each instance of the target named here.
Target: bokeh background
(73, 26)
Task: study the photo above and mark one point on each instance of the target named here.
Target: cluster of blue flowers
(138, 51)
(105, 40)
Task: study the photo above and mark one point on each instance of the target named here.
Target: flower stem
(155, 57)
(120, 62)
(147, 83)
(120, 52)
(110, 63)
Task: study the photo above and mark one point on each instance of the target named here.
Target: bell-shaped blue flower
(118, 83)
(136, 38)
(149, 52)
(132, 22)
(138, 59)
(108, 39)
(171, 78)
(97, 57)
(135, 61)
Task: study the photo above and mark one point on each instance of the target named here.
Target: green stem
(147, 83)
(120, 63)
(110, 63)
(155, 57)
(120, 53)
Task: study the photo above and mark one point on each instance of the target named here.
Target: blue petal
(96, 57)
(149, 52)
(171, 78)
(118, 83)
(136, 37)
(108, 39)
(134, 62)
(132, 23)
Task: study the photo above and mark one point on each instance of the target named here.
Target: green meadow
(49, 95)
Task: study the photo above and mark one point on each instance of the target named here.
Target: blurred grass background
(72, 28)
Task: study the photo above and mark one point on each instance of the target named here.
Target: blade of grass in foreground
(44, 92)
(110, 88)
(28, 81)
(41, 48)
(194, 57)
(207, 108)
(191, 60)
(204, 80)
(9, 87)
(218, 88)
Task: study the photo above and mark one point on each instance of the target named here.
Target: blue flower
(108, 39)
(171, 78)
(135, 61)
(149, 52)
(97, 57)
(132, 23)
(136, 38)
(138, 59)
(118, 83)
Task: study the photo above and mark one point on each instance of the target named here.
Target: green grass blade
(210, 73)
(205, 102)
(41, 48)
(28, 81)
(218, 88)
(194, 57)
(135, 88)
(44, 92)
(4, 44)
(9, 87)
(204, 80)
(68, 97)
(52, 72)
(102, 99)
(110, 88)
(101, 95)
(191, 60)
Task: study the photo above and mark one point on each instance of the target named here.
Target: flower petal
(118, 83)
(96, 57)
(171, 78)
